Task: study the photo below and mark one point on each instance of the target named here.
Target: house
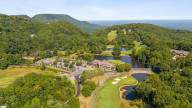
(103, 64)
(180, 52)
(32, 35)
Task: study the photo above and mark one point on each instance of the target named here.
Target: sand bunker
(117, 79)
(115, 82)
(124, 77)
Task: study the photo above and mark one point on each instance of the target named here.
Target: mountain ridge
(48, 18)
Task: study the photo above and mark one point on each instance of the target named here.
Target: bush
(86, 91)
(82, 79)
(79, 63)
(123, 67)
(43, 67)
(74, 102)
(3, 64)
(92, 84)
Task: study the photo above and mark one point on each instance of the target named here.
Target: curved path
(76, 75)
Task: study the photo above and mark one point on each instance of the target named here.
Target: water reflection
(133, 62)
(129, 94)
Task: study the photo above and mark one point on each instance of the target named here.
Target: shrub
(86, 91)
(74, 102)
(92, 84)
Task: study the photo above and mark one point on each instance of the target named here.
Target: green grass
(116, 61)
(138, 46)
(108, 95)
(112, 35)
(107, 52)
(12, 73)
(110, 46)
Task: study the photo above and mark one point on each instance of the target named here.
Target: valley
(47, 62)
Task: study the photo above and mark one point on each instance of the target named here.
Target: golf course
(108, 96)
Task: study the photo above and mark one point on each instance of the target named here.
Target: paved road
(76, 75)
(101, 82)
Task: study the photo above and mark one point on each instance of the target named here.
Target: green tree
(116, 50)
(3, 64)
(74, 102)
(55, 52)
(43, 66)
(82, 79)
(67, 52)
(71, 65)
(86, 91)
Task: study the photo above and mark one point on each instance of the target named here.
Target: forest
(171, 86)
(38, 91)
(48, 18)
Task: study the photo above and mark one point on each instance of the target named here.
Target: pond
(111, 49)
(129, 94)
(133, 62)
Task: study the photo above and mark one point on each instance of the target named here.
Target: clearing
(10, 74)
(108, 96)
(112, 35)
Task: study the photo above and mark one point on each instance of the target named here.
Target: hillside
(149, 29)
(16, 36)
(48, 18)
(23, 16)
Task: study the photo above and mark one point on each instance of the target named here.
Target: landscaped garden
(108, 96)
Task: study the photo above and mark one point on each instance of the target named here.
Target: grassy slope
(116, 61)
(112, 35)
(137, 46)
(86, 101)
(9, 75)
(108, 95)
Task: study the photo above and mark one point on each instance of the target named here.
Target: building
(103, 64)
(180, 52)
(32, 35)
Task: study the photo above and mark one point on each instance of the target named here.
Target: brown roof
(180, 52)
(103, 63)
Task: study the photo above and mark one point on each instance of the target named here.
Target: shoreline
(120, 91)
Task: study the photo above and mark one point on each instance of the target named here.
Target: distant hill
(48, 18)
(22, 35)
(23, 16)
(171, 24)
(152, 30)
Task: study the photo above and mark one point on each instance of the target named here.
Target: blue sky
(102, 9)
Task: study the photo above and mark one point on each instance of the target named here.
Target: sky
(102, 9)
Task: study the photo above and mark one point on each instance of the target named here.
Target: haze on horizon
(102, 9)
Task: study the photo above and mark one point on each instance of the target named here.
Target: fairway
(9, 75)
(108, 96)
(86, 101)
(115, 61)
(112, 35)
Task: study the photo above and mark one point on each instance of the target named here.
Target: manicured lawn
(112, 35)
(116, 61)
(110, 46)
(107, 52)
(9, 75)
(108, 95)
(85, 102)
